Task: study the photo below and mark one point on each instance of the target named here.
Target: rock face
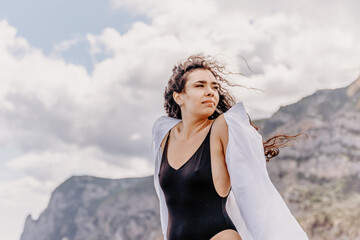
(95, 208)
(318, 177)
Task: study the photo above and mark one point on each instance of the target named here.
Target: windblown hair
(177, 82)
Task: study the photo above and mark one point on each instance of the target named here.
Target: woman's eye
(201, 85)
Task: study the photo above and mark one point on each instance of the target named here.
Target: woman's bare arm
(220, 129)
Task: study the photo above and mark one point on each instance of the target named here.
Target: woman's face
(201, 93)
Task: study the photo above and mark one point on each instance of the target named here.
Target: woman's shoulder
(220, 130)
(219, 122)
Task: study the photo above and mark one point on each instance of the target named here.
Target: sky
(82, 81)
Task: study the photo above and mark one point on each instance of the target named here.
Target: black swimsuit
(196, 211)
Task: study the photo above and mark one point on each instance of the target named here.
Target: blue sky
(82, 81)
(47, 23)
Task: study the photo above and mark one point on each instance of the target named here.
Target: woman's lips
(209, 102)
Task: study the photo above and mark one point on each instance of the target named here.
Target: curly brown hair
(177, 82)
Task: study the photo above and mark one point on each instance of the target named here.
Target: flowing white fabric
(254, 204)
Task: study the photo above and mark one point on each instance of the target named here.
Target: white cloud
(51, 166)
(65, 45)
(286, 43)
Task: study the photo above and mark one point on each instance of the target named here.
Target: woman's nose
(210, 91)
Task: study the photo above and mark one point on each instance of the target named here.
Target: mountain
(91, 208)
(318, 177)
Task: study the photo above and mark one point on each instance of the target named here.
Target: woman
(210, 174)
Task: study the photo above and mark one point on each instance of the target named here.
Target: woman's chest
(198, 162)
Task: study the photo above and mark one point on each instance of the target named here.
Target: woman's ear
(177, 97)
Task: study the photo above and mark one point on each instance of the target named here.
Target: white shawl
(254, 204)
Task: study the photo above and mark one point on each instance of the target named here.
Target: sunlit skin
(186, 136)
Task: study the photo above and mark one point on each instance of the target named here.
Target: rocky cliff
(89, 208)
(319, 177)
